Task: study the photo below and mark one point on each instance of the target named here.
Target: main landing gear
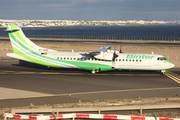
(95, 71)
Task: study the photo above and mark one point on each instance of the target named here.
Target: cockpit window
(161, 58)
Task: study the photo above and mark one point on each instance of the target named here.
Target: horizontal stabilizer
(12, 29)
(14, 55)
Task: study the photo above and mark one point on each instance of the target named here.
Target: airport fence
(65, 113)
(84, 116)
(150, 38)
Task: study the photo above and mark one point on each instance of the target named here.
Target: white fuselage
(128, 61)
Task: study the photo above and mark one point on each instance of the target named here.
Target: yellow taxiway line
(173, 76)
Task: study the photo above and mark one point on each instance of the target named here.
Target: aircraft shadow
(37, 66)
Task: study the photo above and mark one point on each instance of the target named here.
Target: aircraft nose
(171, 65)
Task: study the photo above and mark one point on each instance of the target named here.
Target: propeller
(114, 56)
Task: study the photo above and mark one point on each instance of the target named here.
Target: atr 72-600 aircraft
(103, 59)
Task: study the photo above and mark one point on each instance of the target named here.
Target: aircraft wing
(97, 52)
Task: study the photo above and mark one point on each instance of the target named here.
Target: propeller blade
(114, 56)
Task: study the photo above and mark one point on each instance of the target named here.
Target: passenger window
(119, 59)
(139, 60)
(74, 58)
(71, 58)
(126, 60)
(133, 60)
(129, 60)
(136, 60)
(58, 58)
(122, 59)
(116, 59)
(64, 58)
(61, 58)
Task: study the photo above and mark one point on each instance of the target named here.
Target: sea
(168, 31)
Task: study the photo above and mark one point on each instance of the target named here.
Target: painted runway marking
(173, 76)
(82, 93)
(7, 71)
(125, 74)
(54, 73)
(9, 93)
(113, 91)
(23, 72)
(2, 73)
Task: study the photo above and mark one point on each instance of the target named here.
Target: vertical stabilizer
(19, 40)
(25, 49)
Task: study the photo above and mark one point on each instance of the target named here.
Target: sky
(89, 10)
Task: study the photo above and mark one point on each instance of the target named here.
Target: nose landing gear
(163, 71)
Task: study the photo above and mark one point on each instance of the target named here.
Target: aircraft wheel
(93, 71)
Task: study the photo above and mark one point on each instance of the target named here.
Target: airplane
(103, 59)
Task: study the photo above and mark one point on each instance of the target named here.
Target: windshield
(161, 58)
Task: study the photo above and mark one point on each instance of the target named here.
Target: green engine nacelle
(95, 66)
